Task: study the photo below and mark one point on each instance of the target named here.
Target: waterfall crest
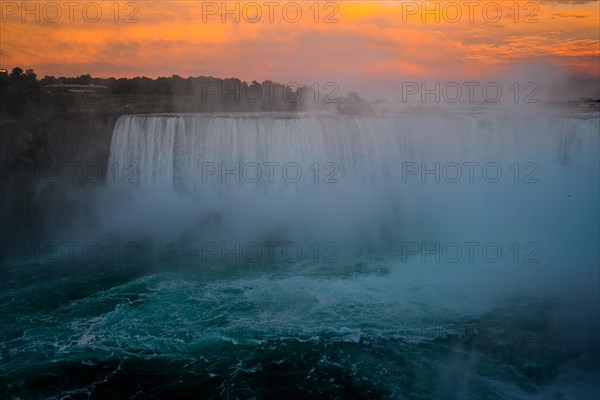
(357, 180)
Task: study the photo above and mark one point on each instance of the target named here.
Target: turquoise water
(399, 292)
(370, 329)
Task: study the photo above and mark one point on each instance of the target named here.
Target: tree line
(22, 93)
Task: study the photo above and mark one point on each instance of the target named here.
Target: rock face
(40, 162)
(15, 146)
(354, 105)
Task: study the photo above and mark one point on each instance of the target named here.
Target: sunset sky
(346, 41)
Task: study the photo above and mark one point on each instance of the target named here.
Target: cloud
(370, 41)
(569, 2)
(566, 14)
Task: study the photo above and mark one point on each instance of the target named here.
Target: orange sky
(370, 40)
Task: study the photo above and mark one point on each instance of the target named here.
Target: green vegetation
(23, 95)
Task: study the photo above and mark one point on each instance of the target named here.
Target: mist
(363, 200)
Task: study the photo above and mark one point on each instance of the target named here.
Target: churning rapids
(439, 256)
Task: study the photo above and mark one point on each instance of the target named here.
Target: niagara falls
(313, 200)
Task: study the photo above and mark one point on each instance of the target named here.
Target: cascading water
(362, 182)
(408, 296)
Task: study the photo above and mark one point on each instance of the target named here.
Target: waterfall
(362, 181)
